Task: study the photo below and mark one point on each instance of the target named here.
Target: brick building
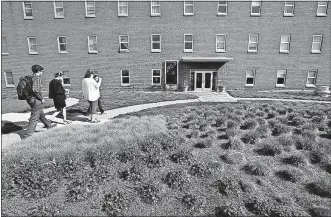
(199, 44)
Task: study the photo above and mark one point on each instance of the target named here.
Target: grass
(183, 162)
(302, 95)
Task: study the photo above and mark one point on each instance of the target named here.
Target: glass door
(203, 80)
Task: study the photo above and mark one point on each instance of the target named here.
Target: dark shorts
(93, 105)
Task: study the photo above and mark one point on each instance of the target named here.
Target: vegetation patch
(180, 157)
(233, 157)
(321, 188)
(131, 174)
(320, 211)
(234, 143)
(250, 137)
(114, 203)
(231, 210)
(201, 170)
(279, 129)
(295, 160)
(175, 179)
(148, 193)
(256, 168)
(248, 124)
(268, 150)
(228, 187)
(291, 175)
(190, 201)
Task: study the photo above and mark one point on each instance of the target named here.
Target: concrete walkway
(8, 139)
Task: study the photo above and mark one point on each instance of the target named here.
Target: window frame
(160, 76)
(127, 8)
(165, 71)
(24, 10)
(222, 5)
(185, 5)
(188, 50)
(281, 85)
(5, 76)
(313, 42)
(260, 5)
(249, 42)
(224, 42)
(55, 7)
(281, 42)
(326, 8)
(158, 4)
(155, 50)
(29, 46)
(250, 85)
(89, 46)
(68, 77)
(86, 6)
(120, 43)
(58, 44)
(4, 46)
(315, 78)
(125, 84)
(287, 5)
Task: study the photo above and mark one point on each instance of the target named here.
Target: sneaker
(52, 126)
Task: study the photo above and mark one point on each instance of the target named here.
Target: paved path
(8, 139)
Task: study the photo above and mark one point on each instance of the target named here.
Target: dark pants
(36, 114)
(99, 105)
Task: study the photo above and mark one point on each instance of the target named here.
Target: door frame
(203, 71)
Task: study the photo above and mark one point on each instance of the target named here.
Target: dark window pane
(125, 80)
(280, 80)
(250, 81)
(66, 80)
(156, 80)
(125, 72)
(156, 72)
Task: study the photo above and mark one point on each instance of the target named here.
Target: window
(188, 43)
(123, 8)
(322, 8)
(124, 43)
(92, 44)
(156, 76)
(155, 8)
(256, 8)
(220, 43)
(58, 9)
(27, 10)
(4, 46)
(281, 77)
(317, 44)
(222, 8)
(311, 78)
(171, 72)
(252, 44)
(9, 79)
(285, 43)
(250, 77)
(125, 77)
(89, 8)
(62, 44)
(66, 78)
(32, 43)
(289, 8)
(188, 7)
(156, 43)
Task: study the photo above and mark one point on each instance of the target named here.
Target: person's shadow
(16, 127)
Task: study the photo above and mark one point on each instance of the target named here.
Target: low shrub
(180, 157)
(189, 201)
(232, 132)
(292, 115)
(286, 141)
(220, 121)
(321, 188)
(234, 143)
(302, 144)
(260, 114)
(282, 111)
(131, 174)
(175, 180)
(248, 124)
(228, 186)
(250, 115)
(114, 203)
(295, 160)
(232, 124)
(261, 121)
(233, 157)
(235, 118)
(272, 123)
(80, 189)
(204, 143)
(292, 175)
(247, 186)
(271, 115)
(282, 119)
(268, 149)
(152, 161)
(298, 121)
(317, 156)
(230, 211)
(126, 156)
(256, 168)
(317, 211)
(279, 129)
(201, 170)
(263, 132)
(250, 137)
(327, 168)
(148, 193)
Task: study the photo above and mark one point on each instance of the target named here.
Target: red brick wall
(172, 26)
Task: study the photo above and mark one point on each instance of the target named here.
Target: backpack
(24, 87)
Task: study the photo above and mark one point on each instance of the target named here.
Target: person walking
(35, 101)
(96, 78)
(91, 93)
(57, 93)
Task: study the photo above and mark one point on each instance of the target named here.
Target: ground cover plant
(304, 95)
(195, 159)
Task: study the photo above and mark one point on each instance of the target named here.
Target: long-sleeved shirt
(37, 86)
(91, 89)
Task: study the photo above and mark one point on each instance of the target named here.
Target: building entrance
(203, 80)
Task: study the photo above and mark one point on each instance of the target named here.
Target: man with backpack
(32, 93)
